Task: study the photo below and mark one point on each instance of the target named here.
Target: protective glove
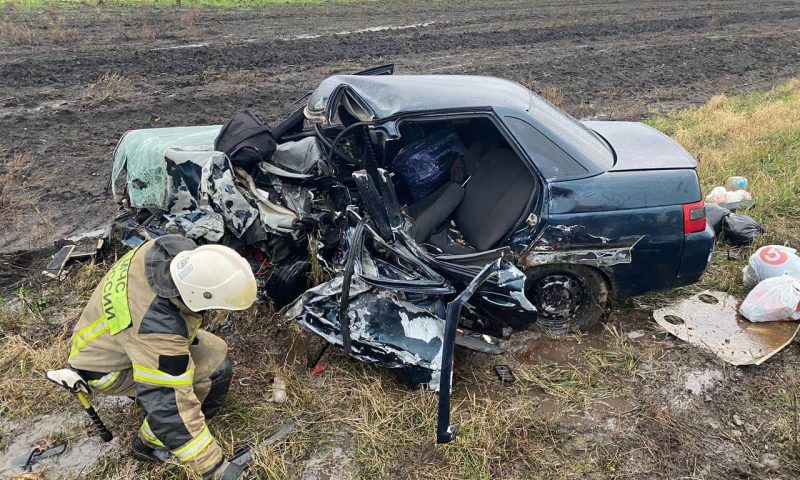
(69, 379)
(225, 471)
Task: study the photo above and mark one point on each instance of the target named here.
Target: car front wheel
(569, 298)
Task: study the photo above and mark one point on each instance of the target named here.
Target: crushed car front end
(399, 217)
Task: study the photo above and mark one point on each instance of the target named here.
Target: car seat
(486, 207)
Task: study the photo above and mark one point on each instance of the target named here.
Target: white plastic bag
(716, 195)
(771, 261)
(729, 199)
(773, 300)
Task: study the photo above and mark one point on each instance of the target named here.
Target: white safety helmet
(213, 276)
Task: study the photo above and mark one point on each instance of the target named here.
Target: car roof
(388, 95)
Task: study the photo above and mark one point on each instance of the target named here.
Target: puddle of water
(564, 351)
(181, 47)
(380, 28)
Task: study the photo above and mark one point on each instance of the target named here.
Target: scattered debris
(771, 261)
(55, 269)
(278, 390)
(77, 457)
(740, 230)
(80, 247)
(37, 453)
(773, 300)
(733, 195)
(635, 334)
(244, 455)
(504, 373)
(709, 320)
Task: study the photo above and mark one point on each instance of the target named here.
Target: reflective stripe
(152, 376)
(115, 295)
(194, 446)
(87, 334)
(148, 434)
(105, 381)
(117, 315)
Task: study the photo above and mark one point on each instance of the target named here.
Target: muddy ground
(627, 401)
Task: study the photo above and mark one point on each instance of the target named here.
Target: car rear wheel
(569, 298)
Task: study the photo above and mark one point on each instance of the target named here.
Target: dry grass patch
(13, 172)
(554, 95)
(59, 32)
(18, 34)
(50, 30)
(35, 328)
(109, 87)
(16, 200)
(187, 20)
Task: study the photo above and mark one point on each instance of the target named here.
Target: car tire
(288, 280)
(569, 298)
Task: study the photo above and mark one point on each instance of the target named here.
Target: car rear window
(551, 160)
(571, 135)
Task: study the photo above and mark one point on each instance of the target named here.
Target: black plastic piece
(445, 431)
(37, 453)
(504, 373)
(344, 302)
(387, 69)
(373, 203)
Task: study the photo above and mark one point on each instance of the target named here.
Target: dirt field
(626, 401)
(617, 60)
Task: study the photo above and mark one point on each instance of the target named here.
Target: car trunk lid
(638, 146)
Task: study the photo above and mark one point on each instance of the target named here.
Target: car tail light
(694, 217)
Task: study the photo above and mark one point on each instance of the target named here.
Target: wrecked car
(399, 216)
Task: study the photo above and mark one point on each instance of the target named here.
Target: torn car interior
(399, 216)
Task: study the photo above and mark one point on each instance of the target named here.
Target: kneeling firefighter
(140, 336)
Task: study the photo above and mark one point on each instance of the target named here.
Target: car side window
(553, 162)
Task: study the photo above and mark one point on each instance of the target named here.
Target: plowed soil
(617, 60)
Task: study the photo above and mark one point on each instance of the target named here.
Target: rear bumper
(697, 250)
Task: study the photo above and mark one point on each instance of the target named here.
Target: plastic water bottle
(736, 183)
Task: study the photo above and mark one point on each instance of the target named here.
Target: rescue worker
(140, 336)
